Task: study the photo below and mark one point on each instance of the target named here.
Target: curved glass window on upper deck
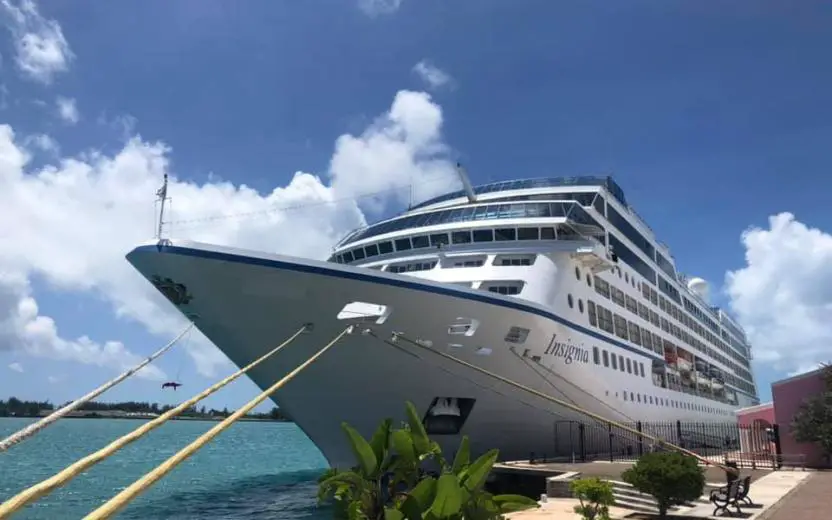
(570, 210)
(525, 184)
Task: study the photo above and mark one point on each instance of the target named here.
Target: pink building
(787, 394)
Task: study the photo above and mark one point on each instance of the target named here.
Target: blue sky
(712, 117)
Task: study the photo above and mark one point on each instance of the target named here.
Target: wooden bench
(727, 496)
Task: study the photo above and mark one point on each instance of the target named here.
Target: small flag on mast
(163, 191)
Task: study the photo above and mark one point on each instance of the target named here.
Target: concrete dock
(777, 495)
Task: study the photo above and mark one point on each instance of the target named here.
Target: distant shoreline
(93, 415)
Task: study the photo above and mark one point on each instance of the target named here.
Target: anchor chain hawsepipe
(45, 487)
(35, 427)
(118, 502)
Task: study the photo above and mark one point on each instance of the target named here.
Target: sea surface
(253, 470)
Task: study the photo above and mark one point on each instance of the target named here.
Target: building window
(606, 357)
(621, 362)
(614, 362)
(596, 355)
(629, 366)
(570, 301)
(577, 273)
(588, 280)
(580, 306)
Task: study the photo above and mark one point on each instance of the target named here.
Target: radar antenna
(466, 183)
(161, 198)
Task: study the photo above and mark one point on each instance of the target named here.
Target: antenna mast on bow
(161, 198)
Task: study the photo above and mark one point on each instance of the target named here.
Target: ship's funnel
(700, 287)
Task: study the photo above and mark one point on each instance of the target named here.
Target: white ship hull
(247, 303)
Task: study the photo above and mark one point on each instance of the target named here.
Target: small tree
(813, 420)
(669, 477)
(595, 496)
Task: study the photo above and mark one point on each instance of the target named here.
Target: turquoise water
(253, 470)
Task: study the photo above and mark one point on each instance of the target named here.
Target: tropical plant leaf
(402, 442)
(381, 440)
(475, 475)
(393, 514)
(424, 492)
(463, 455)
(509, 503)
(417, 430)
(448, 500)
(411, 509)
(363, 451)
(520, 499)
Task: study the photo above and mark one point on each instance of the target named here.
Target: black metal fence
(754, 446)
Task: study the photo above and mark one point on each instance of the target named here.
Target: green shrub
(669, 477)
(595, 496)
(388, 481)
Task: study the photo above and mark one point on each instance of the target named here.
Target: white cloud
(432, 75)
(42, 142)
(67, 110)
(76, 219)
(53, 379)
(23, 328)
(375, 8)
(783, 296)
(41, 51)
(17, 367)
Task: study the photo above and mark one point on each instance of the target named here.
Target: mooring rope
(118, 502)
(47, 486)
(35, 427)
(575, 408)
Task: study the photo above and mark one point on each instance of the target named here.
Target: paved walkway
(810, 501)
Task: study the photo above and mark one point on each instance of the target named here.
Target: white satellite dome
(700, 287)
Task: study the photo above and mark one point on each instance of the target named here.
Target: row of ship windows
(667, 288)
(672, 403)
(455, 237)
(739, 363)
(614, 324)
(607, 290)
(526, 184)
(457, 262)
(617, 362)
(472, 213)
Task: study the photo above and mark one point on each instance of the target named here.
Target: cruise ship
(553, 283)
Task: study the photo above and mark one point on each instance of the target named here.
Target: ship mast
(161, 197)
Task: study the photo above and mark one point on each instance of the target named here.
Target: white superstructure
(553, 283)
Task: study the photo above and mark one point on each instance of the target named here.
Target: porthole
(581, 306)
(588, 280)
(570, 301)
(577, 273)
(626, 278)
